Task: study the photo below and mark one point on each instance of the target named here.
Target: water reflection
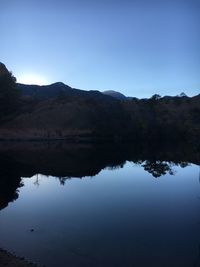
(64, 160)
(101, 205)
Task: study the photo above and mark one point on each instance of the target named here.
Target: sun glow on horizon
(31, 78)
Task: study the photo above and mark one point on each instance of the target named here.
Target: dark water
(101, 205)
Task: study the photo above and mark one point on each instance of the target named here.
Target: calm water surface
(119, 217)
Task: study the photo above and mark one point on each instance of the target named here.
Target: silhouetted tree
(183, 94)
(155, 97)
(9, 94)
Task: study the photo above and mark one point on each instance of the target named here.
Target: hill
(58, 111)
(74, 114)
(93, 116)
(59, 89)
(115, 94)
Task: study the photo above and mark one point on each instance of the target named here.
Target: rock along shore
(10, 260)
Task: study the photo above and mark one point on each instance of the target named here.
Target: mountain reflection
(65, 161)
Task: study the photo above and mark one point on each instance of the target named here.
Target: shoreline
(9, 259)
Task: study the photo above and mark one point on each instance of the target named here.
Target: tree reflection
(10, 182)
(62, 180)
(65, 161)
(158, 168)
(37, 182)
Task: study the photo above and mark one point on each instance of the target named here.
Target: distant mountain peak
(115, 94)
(58, 84)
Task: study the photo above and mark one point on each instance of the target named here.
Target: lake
(89, 205)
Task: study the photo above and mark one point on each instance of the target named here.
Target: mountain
(115, 94)
(58, 111)
(93, 116)
(44, 91)
(59, 89)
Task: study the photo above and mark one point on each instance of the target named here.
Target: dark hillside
(59, 89)
(90, 114)
(58, 111)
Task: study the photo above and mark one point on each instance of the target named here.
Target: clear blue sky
(138, 47)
